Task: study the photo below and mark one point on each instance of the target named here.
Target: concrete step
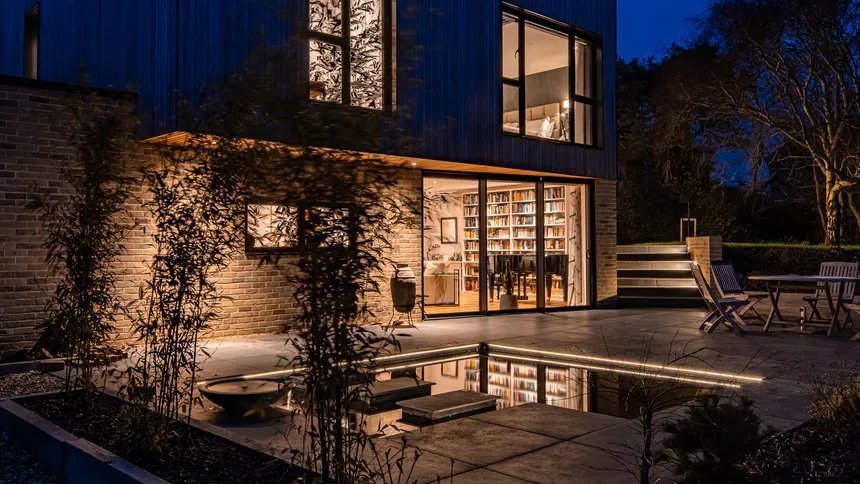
(652, 249)
(656, 274)
(655, 282)
(649, 265)
(658, 302)
(659, 292)
(669, 256)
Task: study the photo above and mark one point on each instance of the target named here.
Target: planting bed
(807, 454)
(204, 459)
(18, 384)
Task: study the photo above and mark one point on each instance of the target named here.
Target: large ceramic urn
(403, 284)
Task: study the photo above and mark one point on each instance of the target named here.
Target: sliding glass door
(511, 233)
(452, 242)
(504, 245)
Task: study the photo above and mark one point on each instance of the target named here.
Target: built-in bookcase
(512, 227)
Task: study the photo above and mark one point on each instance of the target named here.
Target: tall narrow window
(351, 60)
(548, 81)
(31, 43)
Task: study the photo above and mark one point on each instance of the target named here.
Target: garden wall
(31, 153)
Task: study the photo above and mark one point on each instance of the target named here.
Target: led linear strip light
(635, 364)
(290, 371)
(618, 370)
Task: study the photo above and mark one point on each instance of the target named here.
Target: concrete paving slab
(564, 463)
(486, 476)
(556, 422)
(475, 442)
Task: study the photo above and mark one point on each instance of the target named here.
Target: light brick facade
(703, 250)
(606, 241)
(258, 298)
(31, 153)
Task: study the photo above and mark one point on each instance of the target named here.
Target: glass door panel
(565, 245)
(511, 246)
(452, 237)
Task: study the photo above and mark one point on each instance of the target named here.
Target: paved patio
(785, 360)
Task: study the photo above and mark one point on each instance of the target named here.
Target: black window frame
(595, 101)
(303, 228)
(344, 42)
(32, 28)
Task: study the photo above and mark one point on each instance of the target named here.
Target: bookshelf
(512, 227)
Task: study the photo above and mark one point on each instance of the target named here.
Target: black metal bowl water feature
(243, 395)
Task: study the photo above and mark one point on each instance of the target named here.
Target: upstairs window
(548, 84)
(352, 65)
(31, 43)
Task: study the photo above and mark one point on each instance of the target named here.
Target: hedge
(757, 259)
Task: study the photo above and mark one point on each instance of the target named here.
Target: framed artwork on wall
(450, 369)
(449, 230)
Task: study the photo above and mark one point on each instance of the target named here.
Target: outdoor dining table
(775, 285)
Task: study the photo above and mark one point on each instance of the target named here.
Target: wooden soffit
(181, 138)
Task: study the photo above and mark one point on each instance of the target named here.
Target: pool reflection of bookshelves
(515, 383)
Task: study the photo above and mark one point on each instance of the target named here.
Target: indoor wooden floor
(469, 304)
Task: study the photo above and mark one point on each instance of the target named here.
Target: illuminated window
(366, 80)
(272, 227)
(327, 227)
(549, 86)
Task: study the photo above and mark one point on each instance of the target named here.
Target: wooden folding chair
(729, 287)
(723, 310)
(835, 269)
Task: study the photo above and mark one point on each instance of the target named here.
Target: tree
(84, 232)
(791, 66)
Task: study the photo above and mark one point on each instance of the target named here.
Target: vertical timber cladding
(456, 105)
(32, 153)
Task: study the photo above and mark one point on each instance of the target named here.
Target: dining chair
(834, 269)
(728, 285)
(723, 310)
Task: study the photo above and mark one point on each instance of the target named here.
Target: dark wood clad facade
(448, 90)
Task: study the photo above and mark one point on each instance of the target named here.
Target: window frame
(344, 42)
(595, 101)
(302, 226)
(33, 15)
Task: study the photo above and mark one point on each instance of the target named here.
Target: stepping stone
(384, 394)
(443, 407)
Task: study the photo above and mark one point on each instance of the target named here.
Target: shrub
(710, 443)
(836, 401)
(752, 259)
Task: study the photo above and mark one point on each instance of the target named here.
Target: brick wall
(606, 240)
(31, 154)
(703, 250)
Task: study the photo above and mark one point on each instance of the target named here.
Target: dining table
(776, 284)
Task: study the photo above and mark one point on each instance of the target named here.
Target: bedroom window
(548, 82)
(353, 65)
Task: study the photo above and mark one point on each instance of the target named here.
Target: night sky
(648, 27)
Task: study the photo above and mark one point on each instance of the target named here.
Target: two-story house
(512, 103)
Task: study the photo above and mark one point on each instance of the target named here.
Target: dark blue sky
(648, 27)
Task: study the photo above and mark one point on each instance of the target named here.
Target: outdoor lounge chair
(834, 269)
(723, 310)
(729, 287)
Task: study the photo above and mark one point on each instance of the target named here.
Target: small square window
(272, 228)
(327, 227)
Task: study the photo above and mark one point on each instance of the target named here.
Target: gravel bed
(17, 384)
(18, 466)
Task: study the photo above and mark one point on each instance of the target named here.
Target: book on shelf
(471, 199)
(527, 195)
(553, 193)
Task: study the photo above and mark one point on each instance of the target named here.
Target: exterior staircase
(656, 276)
